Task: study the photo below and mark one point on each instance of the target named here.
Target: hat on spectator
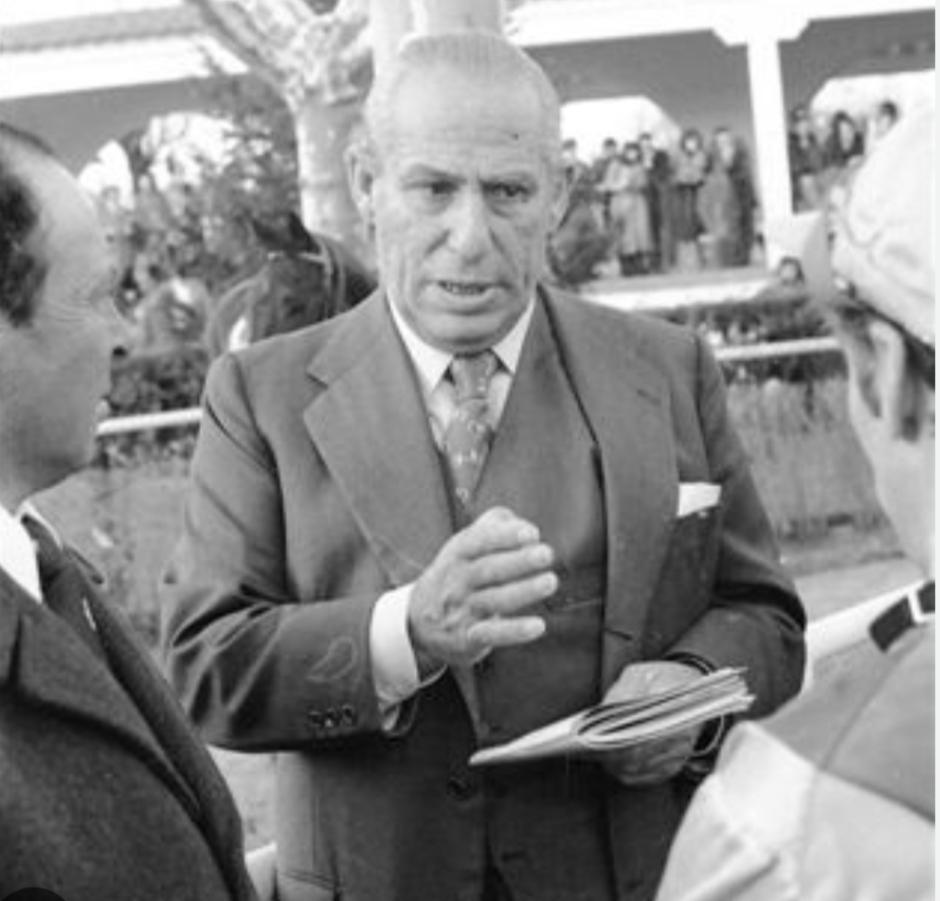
(883, 235)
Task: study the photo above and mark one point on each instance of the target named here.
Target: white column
(761, 33)
(769, 115)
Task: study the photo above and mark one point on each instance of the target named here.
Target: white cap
(884, 230)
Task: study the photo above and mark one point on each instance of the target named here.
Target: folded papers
(621, 724)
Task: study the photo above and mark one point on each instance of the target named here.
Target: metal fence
(739, 354)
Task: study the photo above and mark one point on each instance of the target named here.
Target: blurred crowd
(823, 149)
(652, 209)
(639, 208)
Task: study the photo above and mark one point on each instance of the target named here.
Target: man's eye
(436, 189)
(505, 192)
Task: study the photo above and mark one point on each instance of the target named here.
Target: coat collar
(626, 402)
(372, 430)
(45, 662)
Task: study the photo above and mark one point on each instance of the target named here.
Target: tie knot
(472, 374)
(50, 557)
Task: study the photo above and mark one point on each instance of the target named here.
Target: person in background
(464, 509)
(602, 172)
(658, 178)
(576, 169)
(833, 797)
(885, 118)
(105, 791)
(806, 162)
(731, 154)
(689, 168)
(629, 213)
(846, 145)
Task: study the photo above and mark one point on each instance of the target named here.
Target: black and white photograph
(467, 450)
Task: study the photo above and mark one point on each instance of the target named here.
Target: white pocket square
(694, 497)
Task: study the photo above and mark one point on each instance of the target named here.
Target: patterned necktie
(61, 582)
(468, 435)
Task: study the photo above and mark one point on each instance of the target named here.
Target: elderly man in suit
(105, 792)
(455, 514)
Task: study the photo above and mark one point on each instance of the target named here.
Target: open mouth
(465, 289)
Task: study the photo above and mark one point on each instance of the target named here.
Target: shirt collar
(17, 553)
(431, 363)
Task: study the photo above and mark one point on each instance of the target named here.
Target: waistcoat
(543, 822)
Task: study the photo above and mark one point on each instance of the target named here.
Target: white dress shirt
(17, 551)
(394, 669)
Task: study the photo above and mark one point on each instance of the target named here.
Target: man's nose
(470, 224)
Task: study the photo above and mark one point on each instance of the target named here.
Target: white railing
(140, 422)
(737, 354)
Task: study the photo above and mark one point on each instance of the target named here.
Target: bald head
(487, 62)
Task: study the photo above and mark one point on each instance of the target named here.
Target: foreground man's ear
(886, 384)
(360, 172)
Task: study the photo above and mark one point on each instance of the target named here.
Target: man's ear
(884, 380)
(560, 197)
(360, 171)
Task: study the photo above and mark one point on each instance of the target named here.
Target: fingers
(498, 529)
(511, 597)
(648, 764)
(495, 633)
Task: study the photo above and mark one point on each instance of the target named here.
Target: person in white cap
(833, 797)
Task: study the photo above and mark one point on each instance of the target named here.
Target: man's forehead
(486, 156)
(453, 105)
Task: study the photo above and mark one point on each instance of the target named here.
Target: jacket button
(461, 787)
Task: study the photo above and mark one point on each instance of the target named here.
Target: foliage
(777, 314)
(150, 383)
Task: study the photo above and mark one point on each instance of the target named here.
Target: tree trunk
(393, 20)
(323, 131)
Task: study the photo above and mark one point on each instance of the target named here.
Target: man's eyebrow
(514, 175)
(423, 170)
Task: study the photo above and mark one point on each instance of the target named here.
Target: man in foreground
(459, 512)
(104, 791)
(833, 798)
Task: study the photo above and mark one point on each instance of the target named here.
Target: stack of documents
(622, 724)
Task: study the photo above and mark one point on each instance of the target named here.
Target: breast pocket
(686, 580)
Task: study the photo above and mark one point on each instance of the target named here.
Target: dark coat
(105, 793)
(317, 486)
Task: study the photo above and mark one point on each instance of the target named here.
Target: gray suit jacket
(316, 486)
(105, 792)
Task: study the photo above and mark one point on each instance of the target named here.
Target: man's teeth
(464, 287)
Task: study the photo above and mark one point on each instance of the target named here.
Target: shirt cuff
(394, 669)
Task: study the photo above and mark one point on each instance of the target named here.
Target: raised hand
(472, 597)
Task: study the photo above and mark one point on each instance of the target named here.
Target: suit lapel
(202, 787)
(370, 426)
(626, 403)
(47, 663)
